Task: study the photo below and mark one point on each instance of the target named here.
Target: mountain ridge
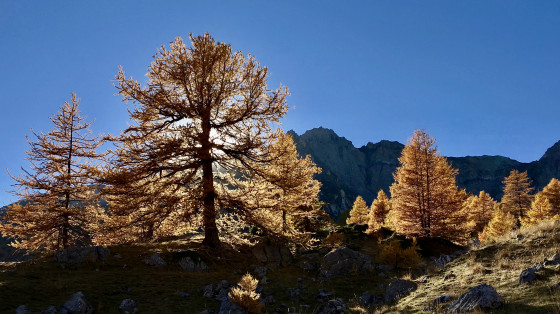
(349, 171)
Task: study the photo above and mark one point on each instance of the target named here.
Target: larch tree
(424, 197)
(501, 223)
(379, 209)
(541, 210)
(358, 213)
(281, 195)
(58, 199)
(517, 196)
(478, 210)
(205, 114)
(552, 192)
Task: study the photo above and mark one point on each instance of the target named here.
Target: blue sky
(482, 77)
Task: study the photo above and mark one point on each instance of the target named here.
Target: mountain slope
(349, 171)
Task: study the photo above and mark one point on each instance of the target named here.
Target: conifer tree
(378, 211)
(424, 196)
(552, 192)
(205, 114)
(541, 209)
(479, 210)
(58, 202)
(501, 223)
(359, 212)
(517, 196)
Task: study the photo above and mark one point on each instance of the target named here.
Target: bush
(392, 253)
(245, 295)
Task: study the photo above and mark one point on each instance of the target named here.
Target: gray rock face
(341, 261)
(482, 297)
(90, 254)
(77, 304)
(266, 253)
(155, 260)
(188, 264)
(398, 289)
(336, 306)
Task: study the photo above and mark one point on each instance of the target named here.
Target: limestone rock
(155, 260)
(398, 289)
(341, 261)
(482, 297)
(77, 304)
(90, 254)
(188, 264)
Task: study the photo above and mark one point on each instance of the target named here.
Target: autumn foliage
(359, 212)
(379, 209)
(59, 204)
(425, 199)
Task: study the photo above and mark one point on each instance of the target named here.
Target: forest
(205, 171)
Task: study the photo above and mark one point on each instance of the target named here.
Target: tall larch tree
(425, 199)
(379, 209)
(479, 210)
(58, 202)
(552, 192)
(212, 112)
(359, 212)
(517, 196)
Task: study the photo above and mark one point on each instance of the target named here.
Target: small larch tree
(541, 210)
(552, 192)
(501, 223)
(425, 199)
(205, 114)
(379, 209)
(478, 210)
(58, 202)
(517, 196)
(359, 212)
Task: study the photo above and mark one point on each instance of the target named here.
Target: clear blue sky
(482, 77)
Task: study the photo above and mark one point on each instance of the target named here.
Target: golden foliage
(393, 254)
(552, 192)
(517, 194)
(378, 211)
(541, 209)
(334, 239)
(501, 223)
(245, 295)
(424, 196)
(59, 204)
(359, 212)
(479, 210)
(203, 136)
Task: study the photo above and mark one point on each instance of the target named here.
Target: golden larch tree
(279, 196)
(379, 209)
(359, 212)
(425, 199)
(58, 199)
(541, 210)
(552, 192)
(517, 196)
(205, 114)
(501, 223)
(478, 210)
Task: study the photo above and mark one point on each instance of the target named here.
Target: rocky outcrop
(155, 260)
(399, 289)
(188, 264)
(341, 261)
(77, 304)
(89, 254)
(480, 298)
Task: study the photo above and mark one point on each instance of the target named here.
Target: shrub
(245, 295)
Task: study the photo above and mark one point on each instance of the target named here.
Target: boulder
(268, 253)
(398, 289)
(228, 307)
(481, 298)
(528, 275)
(217, 291)
(369, 299)
(90, 254)
(128, 306)
(341, 261)
(444, 298)
(77, 304)
(335, 306)
(188, 264)
(22, 309)
(155, 260)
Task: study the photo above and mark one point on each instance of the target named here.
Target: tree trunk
(211, 238)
